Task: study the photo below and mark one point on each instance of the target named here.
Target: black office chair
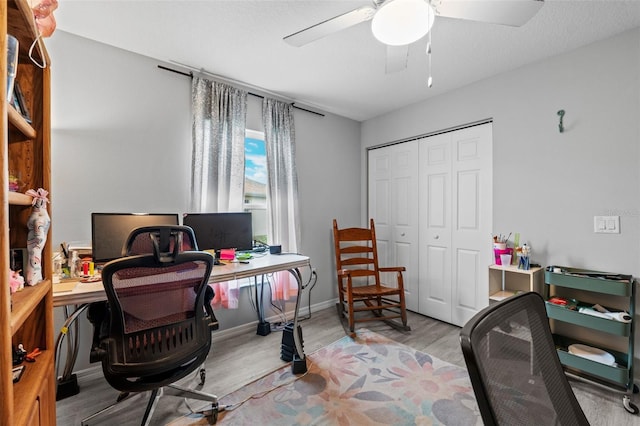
(159, 330)
(141, 241)
(515, 371)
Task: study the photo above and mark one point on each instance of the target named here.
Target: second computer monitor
(221, 230)
(109, 231)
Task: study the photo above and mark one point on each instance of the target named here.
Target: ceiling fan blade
(397, 57)
(514, 13)
(330, 26)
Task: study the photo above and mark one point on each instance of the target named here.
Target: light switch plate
(606, 224)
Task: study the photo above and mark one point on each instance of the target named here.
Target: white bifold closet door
(433, 197)
(455, 223)
(393, 204)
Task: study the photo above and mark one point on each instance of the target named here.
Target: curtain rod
(190, 75)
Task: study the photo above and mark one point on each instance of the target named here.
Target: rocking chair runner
(359, 280)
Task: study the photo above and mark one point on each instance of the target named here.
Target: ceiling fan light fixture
(401, 22)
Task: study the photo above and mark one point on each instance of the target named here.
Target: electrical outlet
(606, 224)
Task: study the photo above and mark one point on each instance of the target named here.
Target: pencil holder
(499, 252)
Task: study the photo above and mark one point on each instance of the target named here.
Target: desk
(85, 293)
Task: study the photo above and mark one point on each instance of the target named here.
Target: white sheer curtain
(219, 122)
(217, 180)
(282, 191)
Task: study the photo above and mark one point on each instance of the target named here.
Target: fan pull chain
(429, 79)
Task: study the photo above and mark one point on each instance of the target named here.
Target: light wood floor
(247, 357)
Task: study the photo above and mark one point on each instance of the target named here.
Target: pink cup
(499, 252)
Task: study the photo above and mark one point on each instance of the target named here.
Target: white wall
(548, 185)
(121, 142)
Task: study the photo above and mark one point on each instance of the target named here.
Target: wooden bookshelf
(26, 317)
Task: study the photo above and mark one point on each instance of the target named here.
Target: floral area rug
(369, 380)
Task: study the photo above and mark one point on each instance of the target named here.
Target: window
(255, 182)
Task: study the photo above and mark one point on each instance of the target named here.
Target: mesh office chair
(515, 371)
(360, 285)
(141, 240)
(159, 330)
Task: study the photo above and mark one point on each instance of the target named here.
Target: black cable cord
(253, 303)
(310, 285)
(277, 309)
(260, 243)
(313, 279)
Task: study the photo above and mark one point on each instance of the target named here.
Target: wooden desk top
(94, 291)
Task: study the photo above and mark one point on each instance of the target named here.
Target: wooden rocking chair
(359, 285)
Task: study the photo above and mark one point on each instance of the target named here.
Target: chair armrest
(208, 297)
(213, 321)
(344, 273)
(393, 269)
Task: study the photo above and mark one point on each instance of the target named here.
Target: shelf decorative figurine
(524, 254)
(16, 281)
(38, 225)
(43, 15)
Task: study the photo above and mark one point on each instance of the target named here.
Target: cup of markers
(500, 249)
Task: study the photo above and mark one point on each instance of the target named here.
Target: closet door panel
(435, 298)
(467, 202)
(435, 227)
(405, 217)
(466, 285)
(393, 177)
(471, 204)
(379, 181)
(380, 193)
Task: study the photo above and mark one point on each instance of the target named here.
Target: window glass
(255, 183)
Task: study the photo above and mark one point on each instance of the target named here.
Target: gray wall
(549, 185)
(121, 126)
(121, 138)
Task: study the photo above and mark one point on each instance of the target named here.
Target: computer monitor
(109, 231)
(215, 231)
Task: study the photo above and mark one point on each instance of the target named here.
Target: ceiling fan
(398, 23)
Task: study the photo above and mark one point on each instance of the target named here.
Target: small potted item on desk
(523, 257)
(503, 254)
(89, 274)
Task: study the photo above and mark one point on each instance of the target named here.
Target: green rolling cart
(610, 339)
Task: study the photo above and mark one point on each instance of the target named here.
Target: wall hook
(561, 125)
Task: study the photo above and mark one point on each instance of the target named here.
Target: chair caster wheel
(213, 418)
(212, 415)
(629, 406)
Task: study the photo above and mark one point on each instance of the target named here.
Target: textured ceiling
(343, 73)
